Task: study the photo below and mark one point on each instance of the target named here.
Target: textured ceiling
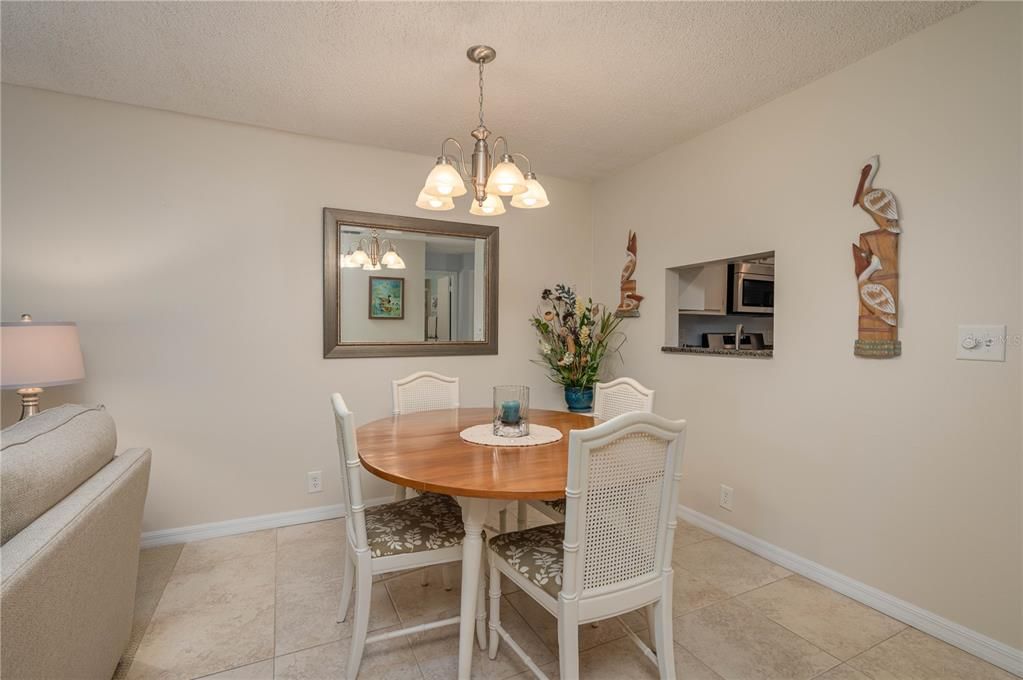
(582, 88)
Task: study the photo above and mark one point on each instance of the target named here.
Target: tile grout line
(233, 668)
(841, 661)
(772, 620)
(397, 615)
(755, 613)
(897, 633)
(156, 607)
(554, 652)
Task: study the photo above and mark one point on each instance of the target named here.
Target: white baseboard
(243, 525)
(982, 646)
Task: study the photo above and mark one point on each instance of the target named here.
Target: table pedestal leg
(474, 513)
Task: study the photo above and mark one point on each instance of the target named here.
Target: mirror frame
(333, 348)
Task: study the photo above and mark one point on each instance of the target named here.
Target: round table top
(423, 451)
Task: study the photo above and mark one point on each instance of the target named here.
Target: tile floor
(262, 606)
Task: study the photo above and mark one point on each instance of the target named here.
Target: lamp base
(29, 401)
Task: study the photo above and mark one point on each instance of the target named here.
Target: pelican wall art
(629, 302)
(876, 262)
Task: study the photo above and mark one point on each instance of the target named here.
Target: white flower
(567, 359)
(584, 335)
(545, 348)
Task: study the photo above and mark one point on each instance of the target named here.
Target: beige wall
(190, 253)
(903, 474)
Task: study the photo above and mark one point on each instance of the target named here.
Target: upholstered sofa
(70, 521)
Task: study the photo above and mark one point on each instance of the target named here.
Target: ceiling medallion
(489, 182)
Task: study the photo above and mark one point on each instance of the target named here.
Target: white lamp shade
(392, 259)
(444, 182)
(359, 258)
(39, 354)
(492, 205)
(534, 197)
(428, 202)
(506, 180)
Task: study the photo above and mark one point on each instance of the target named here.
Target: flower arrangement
(574, 337)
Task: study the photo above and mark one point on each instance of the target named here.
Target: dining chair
(622, 395)
(610, 399)
(423, 391)
(427, 391)
(612, 555)
(408, 534)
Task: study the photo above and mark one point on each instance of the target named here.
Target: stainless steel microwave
(752, 288)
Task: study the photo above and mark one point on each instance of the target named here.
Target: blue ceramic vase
(579, 399)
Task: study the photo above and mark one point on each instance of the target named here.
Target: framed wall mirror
(398, 286)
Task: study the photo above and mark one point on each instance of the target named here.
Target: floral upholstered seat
(537, 554)
(557, 505)
(426, 522)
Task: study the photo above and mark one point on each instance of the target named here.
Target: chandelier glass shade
(444, 181)
(490, 182)
(533, 197)
(370, 254)
(491, 205)
(428, 202)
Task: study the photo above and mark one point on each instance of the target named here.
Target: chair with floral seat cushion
(423, 391)
(613, 553)
(610, 399)
(414, 533)
(427, 522)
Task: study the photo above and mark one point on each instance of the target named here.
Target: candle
(510, 412)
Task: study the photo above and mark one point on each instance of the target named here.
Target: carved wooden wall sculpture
(629, 302)
(876, 259)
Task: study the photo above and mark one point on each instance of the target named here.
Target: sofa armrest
(68, 579)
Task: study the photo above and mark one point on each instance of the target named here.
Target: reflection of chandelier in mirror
(489, 182)
(367, 254)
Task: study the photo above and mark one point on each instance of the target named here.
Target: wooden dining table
(423, 451)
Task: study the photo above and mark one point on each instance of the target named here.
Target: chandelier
(370, 255)
(489, 182)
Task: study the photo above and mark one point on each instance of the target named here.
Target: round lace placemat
(484, 434)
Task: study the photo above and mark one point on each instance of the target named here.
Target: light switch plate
(981, 343)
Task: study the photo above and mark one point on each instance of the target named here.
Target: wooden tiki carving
(876, 262)
(628, 304)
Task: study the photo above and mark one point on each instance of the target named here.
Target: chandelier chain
(481, 94)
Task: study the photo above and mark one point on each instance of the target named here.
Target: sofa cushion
(46, 457)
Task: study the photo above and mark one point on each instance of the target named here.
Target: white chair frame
(578, 604)
(361, 566)
(610, 399)
(622, 395)
(423, 391)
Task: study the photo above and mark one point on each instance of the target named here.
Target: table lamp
(38, 354)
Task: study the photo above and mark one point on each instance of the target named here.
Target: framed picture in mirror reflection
(386, 297)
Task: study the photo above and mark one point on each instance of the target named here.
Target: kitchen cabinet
(703, 290)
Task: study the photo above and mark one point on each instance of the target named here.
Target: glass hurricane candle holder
(511, 411)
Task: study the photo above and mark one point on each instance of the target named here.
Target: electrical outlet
(314, 481)
(726, 497)
(981, 343)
